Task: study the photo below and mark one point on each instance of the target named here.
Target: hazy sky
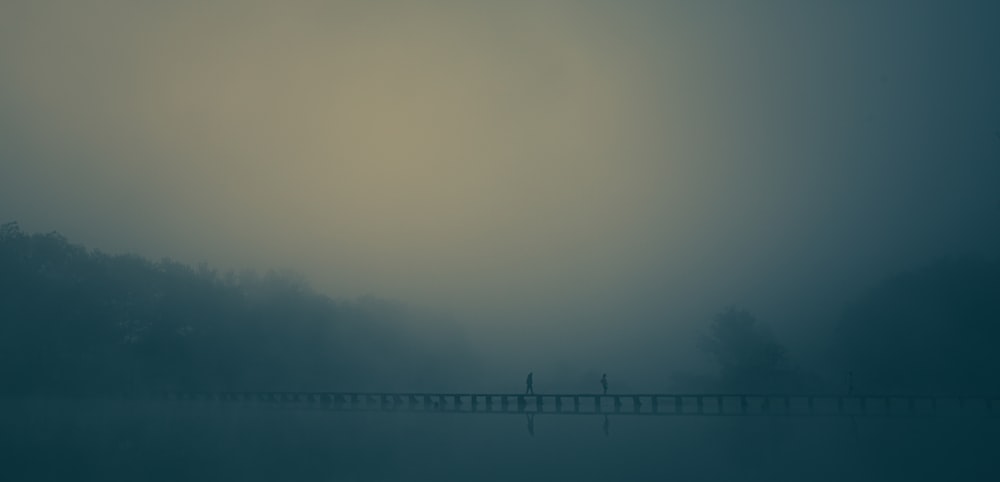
(592, 170)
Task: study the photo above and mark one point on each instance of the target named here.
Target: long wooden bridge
(635, 404)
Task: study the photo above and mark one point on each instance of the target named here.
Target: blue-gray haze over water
(202, 199)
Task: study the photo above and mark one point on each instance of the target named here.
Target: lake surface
(44, 439)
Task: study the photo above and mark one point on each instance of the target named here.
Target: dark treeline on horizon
(74, 321)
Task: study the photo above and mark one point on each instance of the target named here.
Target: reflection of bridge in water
(634, 404)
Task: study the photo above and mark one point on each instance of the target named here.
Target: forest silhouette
(85, 322)
(77, 322)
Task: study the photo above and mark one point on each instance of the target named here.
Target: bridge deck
(717, 404)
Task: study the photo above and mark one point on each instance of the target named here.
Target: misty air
(499, 240)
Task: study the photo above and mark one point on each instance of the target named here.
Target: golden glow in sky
(548, 160)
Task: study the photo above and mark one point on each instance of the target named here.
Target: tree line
(933, 331)
(78, 321)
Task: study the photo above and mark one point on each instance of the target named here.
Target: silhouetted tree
(748, 357)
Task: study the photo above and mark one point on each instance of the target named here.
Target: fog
(296, 198)
(577, 185)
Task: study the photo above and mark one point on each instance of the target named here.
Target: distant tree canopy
(79, 321)
(748, 357)
(935, 330)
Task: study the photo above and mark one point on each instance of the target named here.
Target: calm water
(101, 440)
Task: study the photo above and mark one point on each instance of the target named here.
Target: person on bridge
(530, 384)
(604, 383)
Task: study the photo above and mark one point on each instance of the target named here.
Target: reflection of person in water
(530, 384)
(604, 383)
(531, 424)
(607, 426)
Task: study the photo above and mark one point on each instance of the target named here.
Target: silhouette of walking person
(604, 383)
(530, 384)
(531, 424)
